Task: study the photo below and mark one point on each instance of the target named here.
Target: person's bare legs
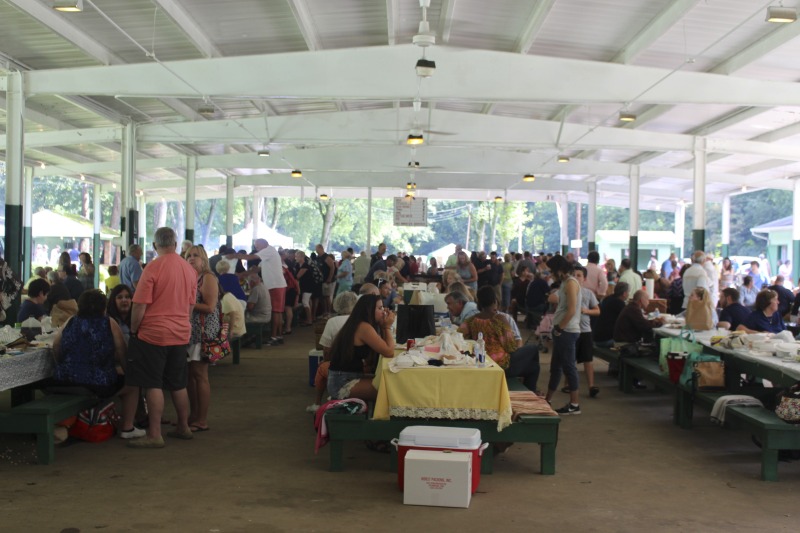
(289, 318)
(588, 369)
(130, 398)
(314, 304)
(277, 324)
(191, 391)
(155, 408)
(364, 390)
(198, 375)
(180, 398)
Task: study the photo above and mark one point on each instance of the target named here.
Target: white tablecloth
(29, 367)
(788, 368)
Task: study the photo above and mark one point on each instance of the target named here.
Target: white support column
(256, 213)
(128, 182)
(726, 225)
(141, 208)
(699, 225)
(15, 160)
(592, 216)
(230, 183)
(633, 226)
(368, 247)
(191, 206)
(562, 208)
(98, 220)
(680, 228)
(795, 252)
(27, 222)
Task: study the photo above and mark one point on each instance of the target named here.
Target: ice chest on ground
(435, 438)
(439, 478)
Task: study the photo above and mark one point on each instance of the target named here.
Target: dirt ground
(621, 466)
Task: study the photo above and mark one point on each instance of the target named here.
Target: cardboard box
(436, 438)
(438, 478)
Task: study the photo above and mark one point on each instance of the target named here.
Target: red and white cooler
(435, 438)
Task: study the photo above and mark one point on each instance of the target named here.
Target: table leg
(769, 464)
(20, 395)
(337, 455)
(547, 458)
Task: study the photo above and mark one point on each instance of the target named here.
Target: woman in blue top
(766, 317)
(748, 291)
(345, 274)
(89, 350)
(466, 270)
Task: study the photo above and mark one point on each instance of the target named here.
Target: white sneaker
(135, 433)
(312, 408)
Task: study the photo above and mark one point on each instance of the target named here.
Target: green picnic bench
(542, 430)
(39, 417)
(773, 433)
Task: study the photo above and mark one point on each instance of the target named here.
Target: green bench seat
(773, 433)
(542, 430)
(39, 417)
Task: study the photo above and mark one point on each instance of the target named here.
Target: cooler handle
(394, 442)
(483, 447)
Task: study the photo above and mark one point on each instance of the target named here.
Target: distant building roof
(776, 225)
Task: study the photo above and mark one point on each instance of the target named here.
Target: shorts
(277, 298)
(341, 383)
(306, 299)
(291, 297)
(584, 348)
(156, 367)
(328, 288)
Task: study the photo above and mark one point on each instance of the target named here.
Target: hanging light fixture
(529, 178)
(425, 68)
(414, 139)
(68, 6)
(297, 173)
(498, 198)
(627, 116)
(323, 197)
(781, 15)
(563, 158)
(263, 153)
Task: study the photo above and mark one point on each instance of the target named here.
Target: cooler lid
(441, 437)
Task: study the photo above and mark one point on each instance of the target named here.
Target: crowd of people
(149, 334)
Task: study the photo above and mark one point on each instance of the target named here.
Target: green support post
(698, 239)
(14, 252)
(592, 246)
(564, 249)
(795, 261)
(633, 245)
(725, 250)
(189, 235)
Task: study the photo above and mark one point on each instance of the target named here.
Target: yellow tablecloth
(443, 392)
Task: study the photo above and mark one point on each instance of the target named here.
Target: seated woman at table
(33, 306)
(89, 352)
(364, 336)
(230, 282)
(748, 292)
(433, 270)
(119, 308)
(502, 339)
(765, 317)
(460, 287)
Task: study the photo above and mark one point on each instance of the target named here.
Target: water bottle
(480, 352)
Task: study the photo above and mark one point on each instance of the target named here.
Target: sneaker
(146, 442)
(594, 391)
(134, 433)
(312, 408)
(569, 409)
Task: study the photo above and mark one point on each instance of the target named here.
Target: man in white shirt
(628, 275)
(596, 280)
(272, 276)
(695, 276)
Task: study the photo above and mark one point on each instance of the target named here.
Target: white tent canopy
(244, 238)
(47, 223)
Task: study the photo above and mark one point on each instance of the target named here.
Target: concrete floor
(621, 466)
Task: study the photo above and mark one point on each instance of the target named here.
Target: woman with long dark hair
(119, 308)
(566, 330)
(365, 335)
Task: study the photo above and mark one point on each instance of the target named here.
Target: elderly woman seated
(765, 317)
(343, 305)
(230, 282)
(89, 353)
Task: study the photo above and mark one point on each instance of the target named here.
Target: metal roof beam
(187, 24)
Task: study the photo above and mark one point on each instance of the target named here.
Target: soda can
(410, 343)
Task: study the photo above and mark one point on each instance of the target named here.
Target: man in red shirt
(160, 331)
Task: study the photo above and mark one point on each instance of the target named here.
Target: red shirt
(168, 287)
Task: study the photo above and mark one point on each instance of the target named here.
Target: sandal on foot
(198, 429)
(380, 446)
(594, 391)
(185, 435)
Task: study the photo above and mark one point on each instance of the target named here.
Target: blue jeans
(506, 292)
(525, 363)
(563, 360)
